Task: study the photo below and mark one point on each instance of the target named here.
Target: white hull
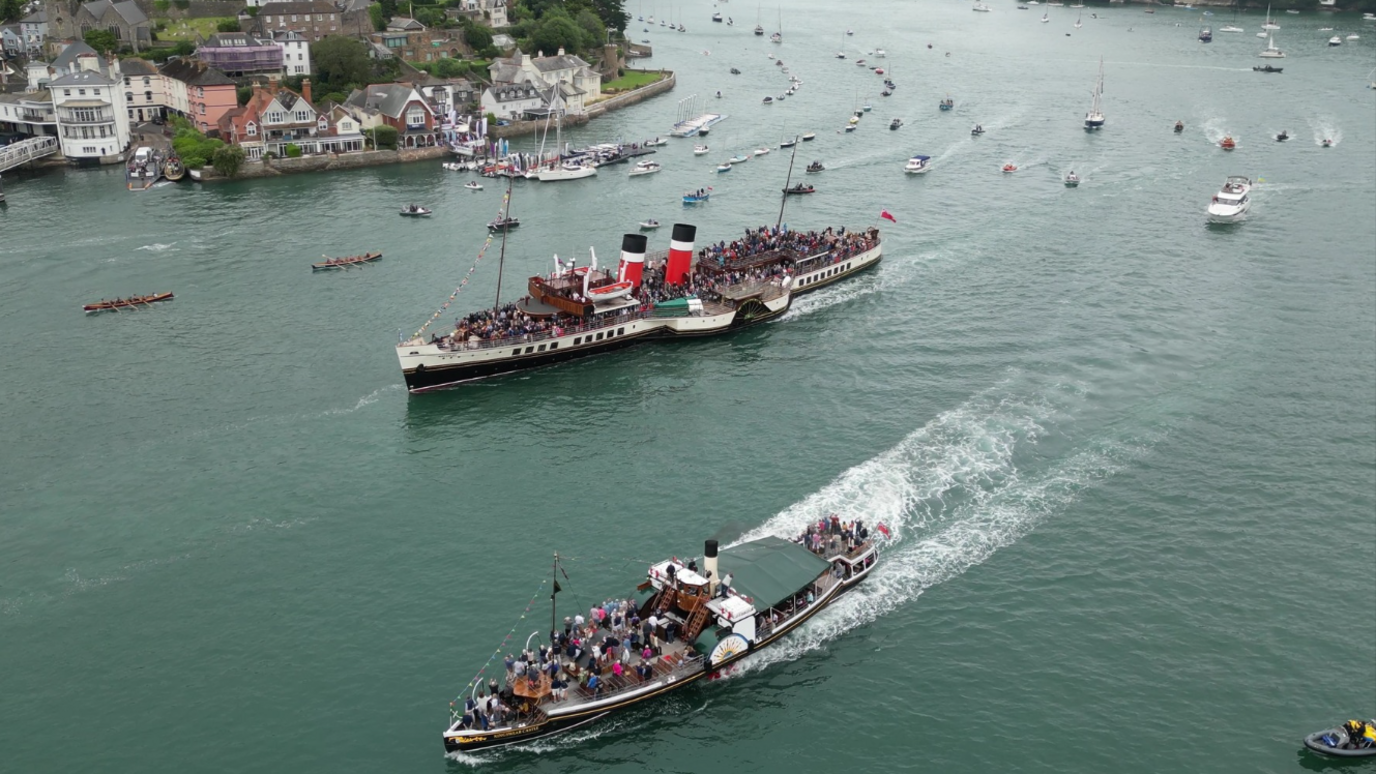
(563, 173)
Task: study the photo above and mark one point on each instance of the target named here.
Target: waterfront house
(33, 29)
(237, 54)
(581, 83)
(314, 19)
(145, 90)
(29, 113)
(92, 121)
(398, 105)
(489, 13)
(198, 92)
(517, 101)
(276, 117)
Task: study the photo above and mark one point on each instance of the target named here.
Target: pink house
(199, 92)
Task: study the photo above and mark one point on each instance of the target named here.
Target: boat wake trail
(952, 493)
(366, 400)
(887, 275)
(157, 247)
(1324, 129)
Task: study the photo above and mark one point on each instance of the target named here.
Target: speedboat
(809, 137)
(879, 53)
(1009, 169)
(1266, 69)
(1335, 41)
(761, 151)
(1227, 143)
(840, 55)
(414, 211)
(1327, 143)
(700, 150)
(918, 165)
(815, 166)
(947, 104)
(649, 224)
(1354, 36)
(656, 142)
(768, 100)
(977, 131)
(1353, 739)
(1072, 180)
(1231, 203)
(849, 127)
(473, 185)
(1283, 136)
(724, 167)
(800, 189)
(1229, 28)
(645, 168)
(850, 32)
(980, 8)
(896, 123)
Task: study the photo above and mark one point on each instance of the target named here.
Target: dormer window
(252, 129)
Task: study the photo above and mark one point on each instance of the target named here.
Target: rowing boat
(344, 263)
(121, 303)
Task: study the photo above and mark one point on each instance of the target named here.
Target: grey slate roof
(232, 40)
(128, 10)
(387, 98)
(566, 62)
(194, 72)
(406, 24)
(83, 78)
(67, 58)
(37, 17)
(297, 6)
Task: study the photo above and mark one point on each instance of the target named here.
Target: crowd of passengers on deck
(609, 649)
(830, 536)
(508, 322)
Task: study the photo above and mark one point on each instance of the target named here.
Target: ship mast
(784, 196)
(506, 229)
(554, 592)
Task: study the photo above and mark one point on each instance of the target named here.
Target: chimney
(709, 566)
(680, 254)
(632, 258)
(306, 90)
(561, 51)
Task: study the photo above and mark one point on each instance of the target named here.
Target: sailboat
(1206, 35)
(569, 170)
(1094, 119)
(778, 37)
(1078, 23)
(1269, 25)
(759, 30)
(841, 53)
(1046, 17)
(1232, 27)
(1271, 51)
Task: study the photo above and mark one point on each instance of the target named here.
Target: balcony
(87, 119)
(37, 117)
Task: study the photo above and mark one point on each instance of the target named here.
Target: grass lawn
(633, 79)
(187, 29)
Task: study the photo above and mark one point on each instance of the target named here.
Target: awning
(770, 570)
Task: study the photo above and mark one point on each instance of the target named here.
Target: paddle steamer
(744, 598)
(591, 323)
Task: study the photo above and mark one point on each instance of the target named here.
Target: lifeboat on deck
(610, 292)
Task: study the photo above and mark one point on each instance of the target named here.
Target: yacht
(1231, 203)
(1335, 41)
(700, 150)
(918, 165)
(1271, 51)
(567, 171)
(1094, 119)
(645, 168)
(1269, 25)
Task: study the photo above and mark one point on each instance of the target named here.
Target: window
(126, 80)
(300, 57)
(128, 96)
(148, 95)
(415, 117)
(252, 129)
(293, 17)
(540, 348)
(554, 345)
(95, 92)
(599, 337)
(66, 92)
(621, 331)
(147, 81)
(320, 17)
(577, 340)
(516, 351)
(529, 350)
(81, 92)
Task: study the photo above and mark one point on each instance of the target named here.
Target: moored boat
(697, 621)
(1094, 119)
(800, 188)
(414, 211)
(700, 150)
(117, 304)
(174, 170)
(645, 168)
(331, 264)
(649, 224)
(809, 136)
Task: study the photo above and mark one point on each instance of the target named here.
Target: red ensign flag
(885, 214)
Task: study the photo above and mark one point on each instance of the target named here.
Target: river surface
(1128, 459)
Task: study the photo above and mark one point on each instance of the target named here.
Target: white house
(146, 91)
(28, 113)
(34, 28)
(296, 51)
(92, 121)
(514, 100)
(581, 84)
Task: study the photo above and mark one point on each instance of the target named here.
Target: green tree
(449, 68)
(103, 41)
(341, 61)
(378, 17)
(182, 48)
(478, 37)
(613, 13)
(227, 25)
(11, 10)
(161, 6)
(593, 25)
(243, 94)
(382, 137)
(555, 32)
(228, 160)
(430, 17)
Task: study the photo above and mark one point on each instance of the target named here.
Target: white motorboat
(1094, 119)
(649, 224)
(739, 158)
(1229, 28)
(1354, 36)
(1072, 180)
(918, 165)
(879, 53)
(761, 151)
(724, 167)
(645, 168)
(809, 137)
(566, 171)
(700, 150)
(1232, 202)
(850, 127)
(981, 8)
(1335, 41)
(473, 185)
(1271, 51)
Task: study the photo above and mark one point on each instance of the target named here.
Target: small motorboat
(330, 264)
(918, 165)
(1353, 739)
(656, 142)
(1266, 69)
(473, 185)
(735, 71)
(645, 168)
(503, 224)
(977, 131)
(1231, 203)
(1335, 41)
(611, 292)
(787, 143)
(849, 128)
(649, 224)
(947, 104)
(895, 124)
(1283, 136)
(700, 150)
(850, 32)
(1227, 143)
(1327, 143)
(889, 84)
(1009, 169)
(724, 167)
(816, 166)
(800, 189)
(414, 211)
(809, 137)
(739, 158)
(455, 166)
(697, 198)
(1179, 127)
(853, 120)
(761, 151)
(768, 100)
(859, 63)
(125, 303)
(840, 55)
(868, 107)
(716, 17)
(1072, 180)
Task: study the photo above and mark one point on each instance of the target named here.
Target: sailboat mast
(553, 593)
(506, 229)
(784, 196)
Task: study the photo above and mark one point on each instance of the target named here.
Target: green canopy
(770, 570)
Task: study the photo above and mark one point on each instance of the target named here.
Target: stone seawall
(601, 107)
(327, 163)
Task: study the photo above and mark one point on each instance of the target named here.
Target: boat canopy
(770, 570)
(920, 158)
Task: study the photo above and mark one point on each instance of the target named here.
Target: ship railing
(529, 338)
(615, 686)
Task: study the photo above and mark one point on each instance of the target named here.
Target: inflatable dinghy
(1341, 742)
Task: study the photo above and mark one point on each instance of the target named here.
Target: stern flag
(557, 588)
(885, 215)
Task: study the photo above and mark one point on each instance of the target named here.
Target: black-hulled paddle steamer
(695, 621)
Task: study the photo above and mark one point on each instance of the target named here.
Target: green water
(1129, 459)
